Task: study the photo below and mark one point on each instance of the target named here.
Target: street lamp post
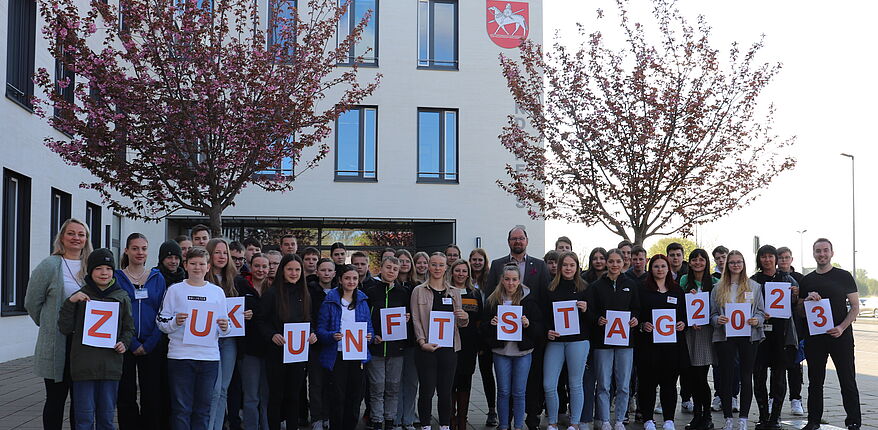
(802, 248)
(853, 212)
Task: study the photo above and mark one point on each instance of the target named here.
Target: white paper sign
(566, 317)
(617, 329)
(442, 328)
(235, 314)
(664, 328)
(777, 300)
(393, 324)
(698, 308)
(738, 314)
(819, 316)
(199, 328)
(353, 341)
(296, 342)
(101, 325)
(509, 323)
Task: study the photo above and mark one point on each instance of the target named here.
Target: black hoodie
(385, 295)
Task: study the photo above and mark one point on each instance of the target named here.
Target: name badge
(672, 300)
(748, 296)
(507, 302)
(768, 327)
(446, 300)
(141, 293)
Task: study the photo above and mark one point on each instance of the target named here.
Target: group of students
(156, 376)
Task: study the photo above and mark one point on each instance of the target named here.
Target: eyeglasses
(517, 239)
(237, 259)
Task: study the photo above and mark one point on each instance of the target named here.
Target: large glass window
(21, 37)
(367, 46)
(437, 145)
(356, 138)
(281, 30)
(16, 241)
(60, 213)
(437, 34)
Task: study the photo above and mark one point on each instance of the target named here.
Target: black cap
(170, 248)
(101, 257)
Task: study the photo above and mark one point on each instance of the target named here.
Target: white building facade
(415, 166)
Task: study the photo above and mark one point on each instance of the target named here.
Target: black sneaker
(492, 419)
(854, 427)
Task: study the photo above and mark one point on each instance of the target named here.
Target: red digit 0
(737, 320)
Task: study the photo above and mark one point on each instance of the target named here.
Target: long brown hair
(282, 288)
(468, 284)
(418, 278)
(228, 273)
(406, 276)
(481, 278)
(499, 293)
(650, 283)
(577, 278)
(724, 288)
(123, 262)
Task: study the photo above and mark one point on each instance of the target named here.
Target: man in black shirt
(839, 287)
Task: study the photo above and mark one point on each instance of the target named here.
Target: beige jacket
(422, 304)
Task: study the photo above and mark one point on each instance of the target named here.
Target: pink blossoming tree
(179, 105)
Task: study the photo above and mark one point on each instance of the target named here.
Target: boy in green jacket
(96, 371)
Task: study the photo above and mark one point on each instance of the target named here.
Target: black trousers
(486, 368)
(535, 397)
(435, 376)
(235, 399)
(284, 386)
(145, 371)
(745, 351)
(772, 354)
(795, 378)
(817, 350)
(56, 397)
(697, 376)
(658, 368)
(348, 385)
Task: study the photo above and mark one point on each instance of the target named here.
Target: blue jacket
(144, 311)
(329, 323)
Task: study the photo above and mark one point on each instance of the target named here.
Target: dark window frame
(60, 211)
(431, 62)
(94, 223)
(442, 143)
(361, 164)
(269, 40)
(20, 52)
(16, 255)
(351, 56)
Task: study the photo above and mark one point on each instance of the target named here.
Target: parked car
(869, 307)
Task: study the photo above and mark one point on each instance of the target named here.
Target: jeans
(613, 364)
(558, 353)
(228, 348)
(589, 389)
(384, 375)
(512, 375)
(95, 404)
(405, 411)
(841, 349)
(144, 371)
(192, 383)
(254, 380)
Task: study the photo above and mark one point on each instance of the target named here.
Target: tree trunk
(216, 221)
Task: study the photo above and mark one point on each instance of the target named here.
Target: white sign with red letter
(664, 328)
(566, 318)
(101, 325)
(393, 324)
(509, 323)
(353, 338)
(201, 324)
(235, 311)
(819, 315)
(738, 314)
(777, 300)
(698, 308)
(442, 329)
(617, 331)
(296, 342)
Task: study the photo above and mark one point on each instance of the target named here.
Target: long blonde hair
(228, 273)
(58, 246)
(499, 293)
(724, 288)
(407, 276)
(468, 284)
(418, 278)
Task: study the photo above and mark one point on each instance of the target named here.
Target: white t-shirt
(178, 299)
(70, 268)
(348, 317)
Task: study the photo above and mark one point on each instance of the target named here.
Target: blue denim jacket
(329, 323)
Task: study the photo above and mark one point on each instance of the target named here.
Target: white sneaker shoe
(317, 425)
(658, 409)
(796, 407)
(444, 428)
(619, 426)
(742, 423)
(687, 406)
(729, 425)
(428, 428)
(717, 404)
(735, 404)
(649, 425)
(606, 426)
(669, 425)
(573, 428)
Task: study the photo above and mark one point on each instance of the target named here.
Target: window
(356, 137)
(60, 213)
(115, 236)
(21, 37)
(282, 16)
(62, 72)
(367, 46)
(437, 34)
(437, 145)
(286, 168)
(93, 220)
(16, 241)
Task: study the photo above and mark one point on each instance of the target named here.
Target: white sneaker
(735, 404)
(606, 426)
(687, 406)
(619, 426)
(649, 425)
(658, 409)
(444, 428)
(796, 407)
(717, 404)
(428, 428)
(573, 428)
(317, 425)
(729, 425)
(669, 425)
(742, 423)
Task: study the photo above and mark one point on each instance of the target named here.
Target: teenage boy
(563, 244)
(200, 235)
(720, 253)
(674, 251)
(310, 257)
(288, 244)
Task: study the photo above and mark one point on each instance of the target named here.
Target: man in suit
(534, 275)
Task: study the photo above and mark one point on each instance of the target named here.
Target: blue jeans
(192, 383)
(613, 364)
(405, 411)
(511, 381)
(95, 404)
(228, 348)
(574, 354)
(589, 383)
(254, 381)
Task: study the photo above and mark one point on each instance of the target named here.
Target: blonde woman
(736, 287)
(54, 280)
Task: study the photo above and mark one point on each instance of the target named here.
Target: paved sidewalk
(22, 394)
